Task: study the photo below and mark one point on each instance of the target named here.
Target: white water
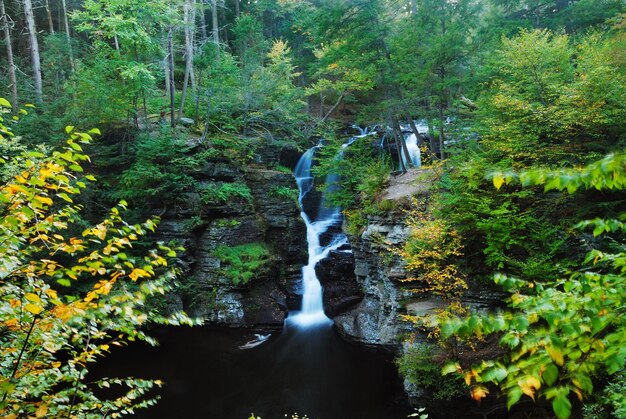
(414, 151)
(312, 312)
(412, 145)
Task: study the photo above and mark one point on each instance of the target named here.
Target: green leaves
(559, 334)
(51, 337)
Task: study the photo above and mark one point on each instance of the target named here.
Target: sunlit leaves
(560, 334)
(62, 301)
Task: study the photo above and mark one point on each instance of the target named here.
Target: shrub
(244, 262)
(216, 194)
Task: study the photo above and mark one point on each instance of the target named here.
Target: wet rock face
(271, 217)
(336, 274)
(375, 321)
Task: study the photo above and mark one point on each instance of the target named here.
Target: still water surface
(310, 371)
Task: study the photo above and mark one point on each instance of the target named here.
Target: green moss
(244, 262)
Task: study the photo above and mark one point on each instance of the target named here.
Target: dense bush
(243, 263)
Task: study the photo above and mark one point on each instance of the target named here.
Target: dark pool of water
(309, 371)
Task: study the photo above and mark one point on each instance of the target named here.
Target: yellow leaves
(44, 200)
(32, 298)
(479, 392)
(41, 411)
(138, 273)
(498, 180)
(556, 355)
(529, 385)
(33, 308)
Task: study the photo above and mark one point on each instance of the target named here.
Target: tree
(34, 50)
(132, 27)
(547, 94)
(560, 334)
(66, 299)
(189, 22)
(6, 26)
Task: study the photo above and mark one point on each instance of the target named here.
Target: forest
(146, 157)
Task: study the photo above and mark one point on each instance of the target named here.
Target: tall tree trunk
(49, 13)
(215, 29)
(34, 50)
(68, 36)
(207, 118)
(203, 32)
(404, 149)
(442, 105)
(223, 31)
(170, 70)
(441, 133)
(399, 148)
(189, 23)
(431, 135)
(237, 9)
(4, 21)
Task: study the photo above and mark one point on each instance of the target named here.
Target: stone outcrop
(336, 274)
(270, 216)
(375, 321)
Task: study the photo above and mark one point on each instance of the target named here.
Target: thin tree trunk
(203, 32)
(208, 115)
(34, 50)
(4, 21)
(332, 109)
(222, 11)
(405, 150)
(441, 133)
(215, 29)
(187, 11)
(49, 13)
(431, 135)
(396, 137)
(237, 9)
(68, 36)
(170, 49)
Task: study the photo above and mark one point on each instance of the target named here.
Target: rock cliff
(266, 214)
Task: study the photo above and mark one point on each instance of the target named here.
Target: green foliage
(51, 330)
(218, 194)
(417, 366)
(359, 177)
(243, 263)
(284, 192)
(611, 403)
(159, 171)
(546, 104)
(560, 334)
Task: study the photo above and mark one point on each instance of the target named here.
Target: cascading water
(412, 145)
(312, 312)
(414, 151)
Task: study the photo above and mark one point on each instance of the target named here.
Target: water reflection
(308, 371)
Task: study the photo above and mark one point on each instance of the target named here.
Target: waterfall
(414, 151)
(412, 143)
(312, 312)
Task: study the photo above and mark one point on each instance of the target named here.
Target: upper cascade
(312, 312)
